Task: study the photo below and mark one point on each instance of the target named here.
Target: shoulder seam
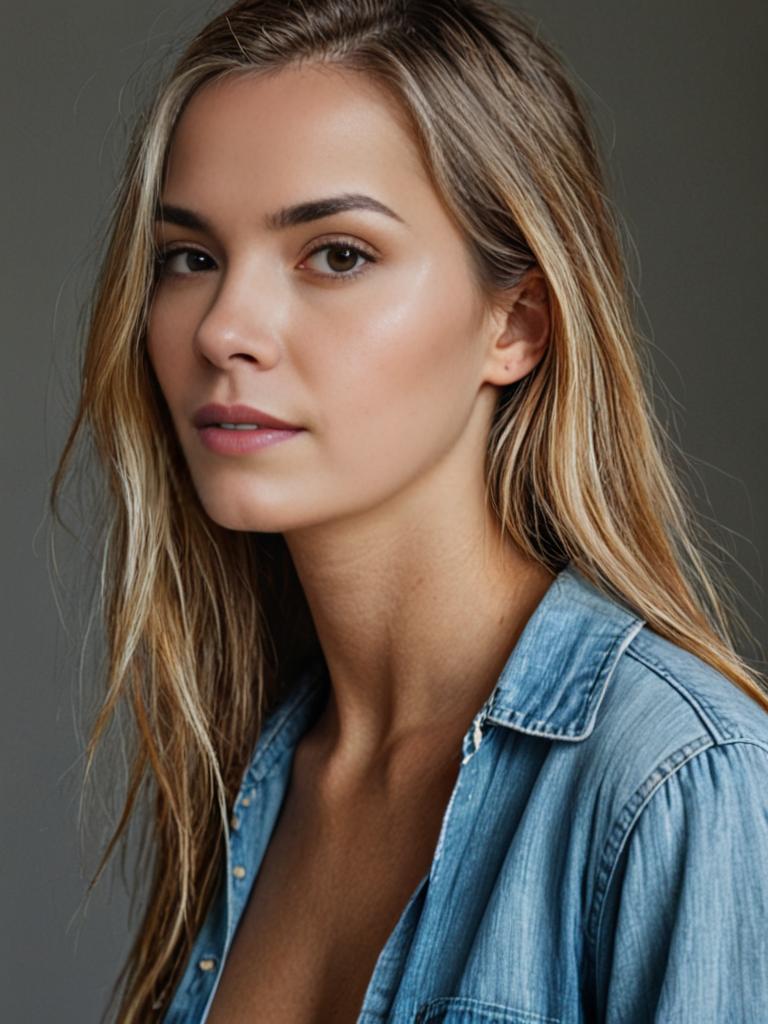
(709, 716)
(622, 826)
(628, 817)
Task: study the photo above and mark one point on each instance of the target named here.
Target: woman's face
(378, 354)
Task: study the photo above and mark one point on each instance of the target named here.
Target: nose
(237, 324)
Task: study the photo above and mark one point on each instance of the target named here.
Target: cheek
(168, 348)
(158, 338)
(402, 377)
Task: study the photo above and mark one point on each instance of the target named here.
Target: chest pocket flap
(463, 1010)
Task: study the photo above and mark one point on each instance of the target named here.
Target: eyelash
(337, 243)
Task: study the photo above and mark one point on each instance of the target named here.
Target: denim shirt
(603, 855)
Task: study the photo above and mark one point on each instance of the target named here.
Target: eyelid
(353, 243)
(163, 253)
(346, 243)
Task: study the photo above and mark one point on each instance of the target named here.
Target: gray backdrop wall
(679, 92)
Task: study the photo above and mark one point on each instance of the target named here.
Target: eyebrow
(288, 216)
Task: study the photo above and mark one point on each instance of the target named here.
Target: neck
(415, 622)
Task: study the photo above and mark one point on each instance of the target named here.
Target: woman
(432, 685)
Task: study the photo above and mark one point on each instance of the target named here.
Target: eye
(342, 253)
(167, 264)
(182, 261)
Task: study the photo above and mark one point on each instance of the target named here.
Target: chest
(331, 887)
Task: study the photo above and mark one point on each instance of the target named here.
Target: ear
(520, 329)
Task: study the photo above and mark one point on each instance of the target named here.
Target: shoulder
(673, 734)
(677, 677)
(664, 709)
(664, 705)
(680, 763)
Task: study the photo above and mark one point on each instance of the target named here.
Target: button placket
(239, 871)
(211, 950)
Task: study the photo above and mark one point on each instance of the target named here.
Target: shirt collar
(551, 685)
(556, 675)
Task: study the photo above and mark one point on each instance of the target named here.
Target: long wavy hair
(205, 627)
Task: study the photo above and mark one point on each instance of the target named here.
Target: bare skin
(416, 596)
(336, 876)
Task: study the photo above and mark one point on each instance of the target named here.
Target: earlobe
(520, 344)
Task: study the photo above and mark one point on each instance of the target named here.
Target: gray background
(679, 92)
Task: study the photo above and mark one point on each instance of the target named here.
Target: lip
(213, 413)
(226, 441)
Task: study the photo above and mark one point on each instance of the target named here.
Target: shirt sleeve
(684, 929)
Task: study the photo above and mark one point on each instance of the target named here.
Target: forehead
(296, 132)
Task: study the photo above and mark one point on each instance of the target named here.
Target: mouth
(239, 438)
(236, 426)
(240, 418)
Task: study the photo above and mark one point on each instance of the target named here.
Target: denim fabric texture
(603, 856)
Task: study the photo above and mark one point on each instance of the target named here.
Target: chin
(244, 521)
(246, 515)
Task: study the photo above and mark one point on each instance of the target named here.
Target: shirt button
(245, 801)
(207, 964)
(234, 821)
(238, 871)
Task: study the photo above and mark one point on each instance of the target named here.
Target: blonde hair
(578, 467)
